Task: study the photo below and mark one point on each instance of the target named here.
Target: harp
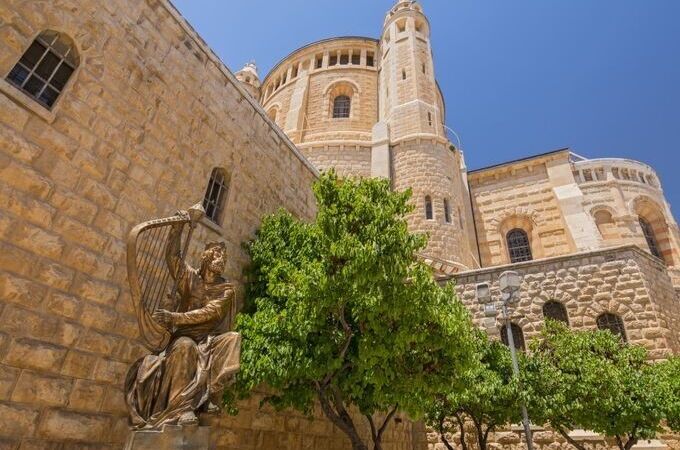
(151, 285)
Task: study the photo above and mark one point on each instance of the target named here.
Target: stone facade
(150, 112)
(136, 133)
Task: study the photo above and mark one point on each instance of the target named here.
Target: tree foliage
(594, 381)
(341, 311)
(487, 395)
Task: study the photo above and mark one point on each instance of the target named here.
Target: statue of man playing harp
(170, 387)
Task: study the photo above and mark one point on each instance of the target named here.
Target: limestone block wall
(518, 196)
(347, 160)
(625, 281)
(135, 134)
(617, 192)
(431, 169)
(301, 88)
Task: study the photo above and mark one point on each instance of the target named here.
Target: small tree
(593, 380)
(669, 378)
(343, 313)
(487, 395)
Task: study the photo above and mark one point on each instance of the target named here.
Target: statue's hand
(165, 318)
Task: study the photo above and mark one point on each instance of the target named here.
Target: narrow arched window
(652, 243)
(447, 211)
(556, 311)
(429, 215)
(613, 323)
(517, 336)
(45, 67)
(519, 246)
(215, 195)
(341, 107)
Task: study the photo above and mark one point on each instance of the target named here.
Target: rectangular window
(356, 58)
(370, 59)
(294, 73)
(588, 175)
(333, 60)
(344, 59)
(319, 61)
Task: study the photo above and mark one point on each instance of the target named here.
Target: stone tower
(249, 79)
(410, 144)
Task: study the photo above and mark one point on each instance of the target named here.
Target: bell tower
(410, 144)
(249, 79)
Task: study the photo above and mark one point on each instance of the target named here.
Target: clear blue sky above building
(520, 77)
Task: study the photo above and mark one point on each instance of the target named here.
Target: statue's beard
(216, 266)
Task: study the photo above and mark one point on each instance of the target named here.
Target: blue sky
(520, 77)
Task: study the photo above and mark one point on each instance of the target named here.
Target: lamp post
(509, 283)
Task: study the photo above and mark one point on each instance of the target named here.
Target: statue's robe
(197, 363)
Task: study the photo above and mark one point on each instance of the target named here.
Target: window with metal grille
(648, 231)
(215, 195)
(429, 215)
(447, 211)
(517, 336)
(341, 106)
(45, 68)
(613, 323)
(556, 311)
(519, 246)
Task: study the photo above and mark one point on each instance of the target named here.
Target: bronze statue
(192, 361)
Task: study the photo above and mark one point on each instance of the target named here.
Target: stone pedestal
(171, 438)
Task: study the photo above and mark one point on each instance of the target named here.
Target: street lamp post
(509, 283)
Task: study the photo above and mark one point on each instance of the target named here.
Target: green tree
(489, 396)
(669, 377)
(593, 380)
(342, 312)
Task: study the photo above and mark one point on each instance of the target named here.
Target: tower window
(613, 323)
(215, 195)
(370, 61)
(429, 118)
(356, 57)
(556, 311)
(294, 73)
(341, 107)
(517, 336)
(401, 26)
(447, 211)
(424, 68)
(403, 74)
(45, 67)
(650, 237)
(429, 215)
(333, 60)
(519, 246)
(344, 59)
(319, 61)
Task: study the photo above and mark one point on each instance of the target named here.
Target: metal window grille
(428, 208)
(341, 107)
(648, 231)
(517, 336)
(519, 246)
(556, 311)
(447, 211)
(215, 195)
(45, 68)
(613, 323)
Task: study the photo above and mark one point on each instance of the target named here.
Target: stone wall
(135, 134)
(625, 281)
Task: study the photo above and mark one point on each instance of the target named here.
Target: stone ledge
(171, 438)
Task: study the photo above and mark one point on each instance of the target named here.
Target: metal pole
(515, 369)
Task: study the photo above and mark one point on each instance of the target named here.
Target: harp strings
(153, 271)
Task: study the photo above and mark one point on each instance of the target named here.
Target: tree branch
(461, 425)
(570, 439)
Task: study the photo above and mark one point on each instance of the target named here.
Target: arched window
(341, 106)
(652, 243)
(605, 224)
(519, 246)
(613, 323)
(428, 208)
(273, 113)
(215, 195)
(447, 211)
(556, 311)
(517, 336)
(45, 68)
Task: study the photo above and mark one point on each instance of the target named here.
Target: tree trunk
(461, 427)
(334, 409)
(481, 435)
(442, 434)
(377, 433)
(565, 435)
(630, 442)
